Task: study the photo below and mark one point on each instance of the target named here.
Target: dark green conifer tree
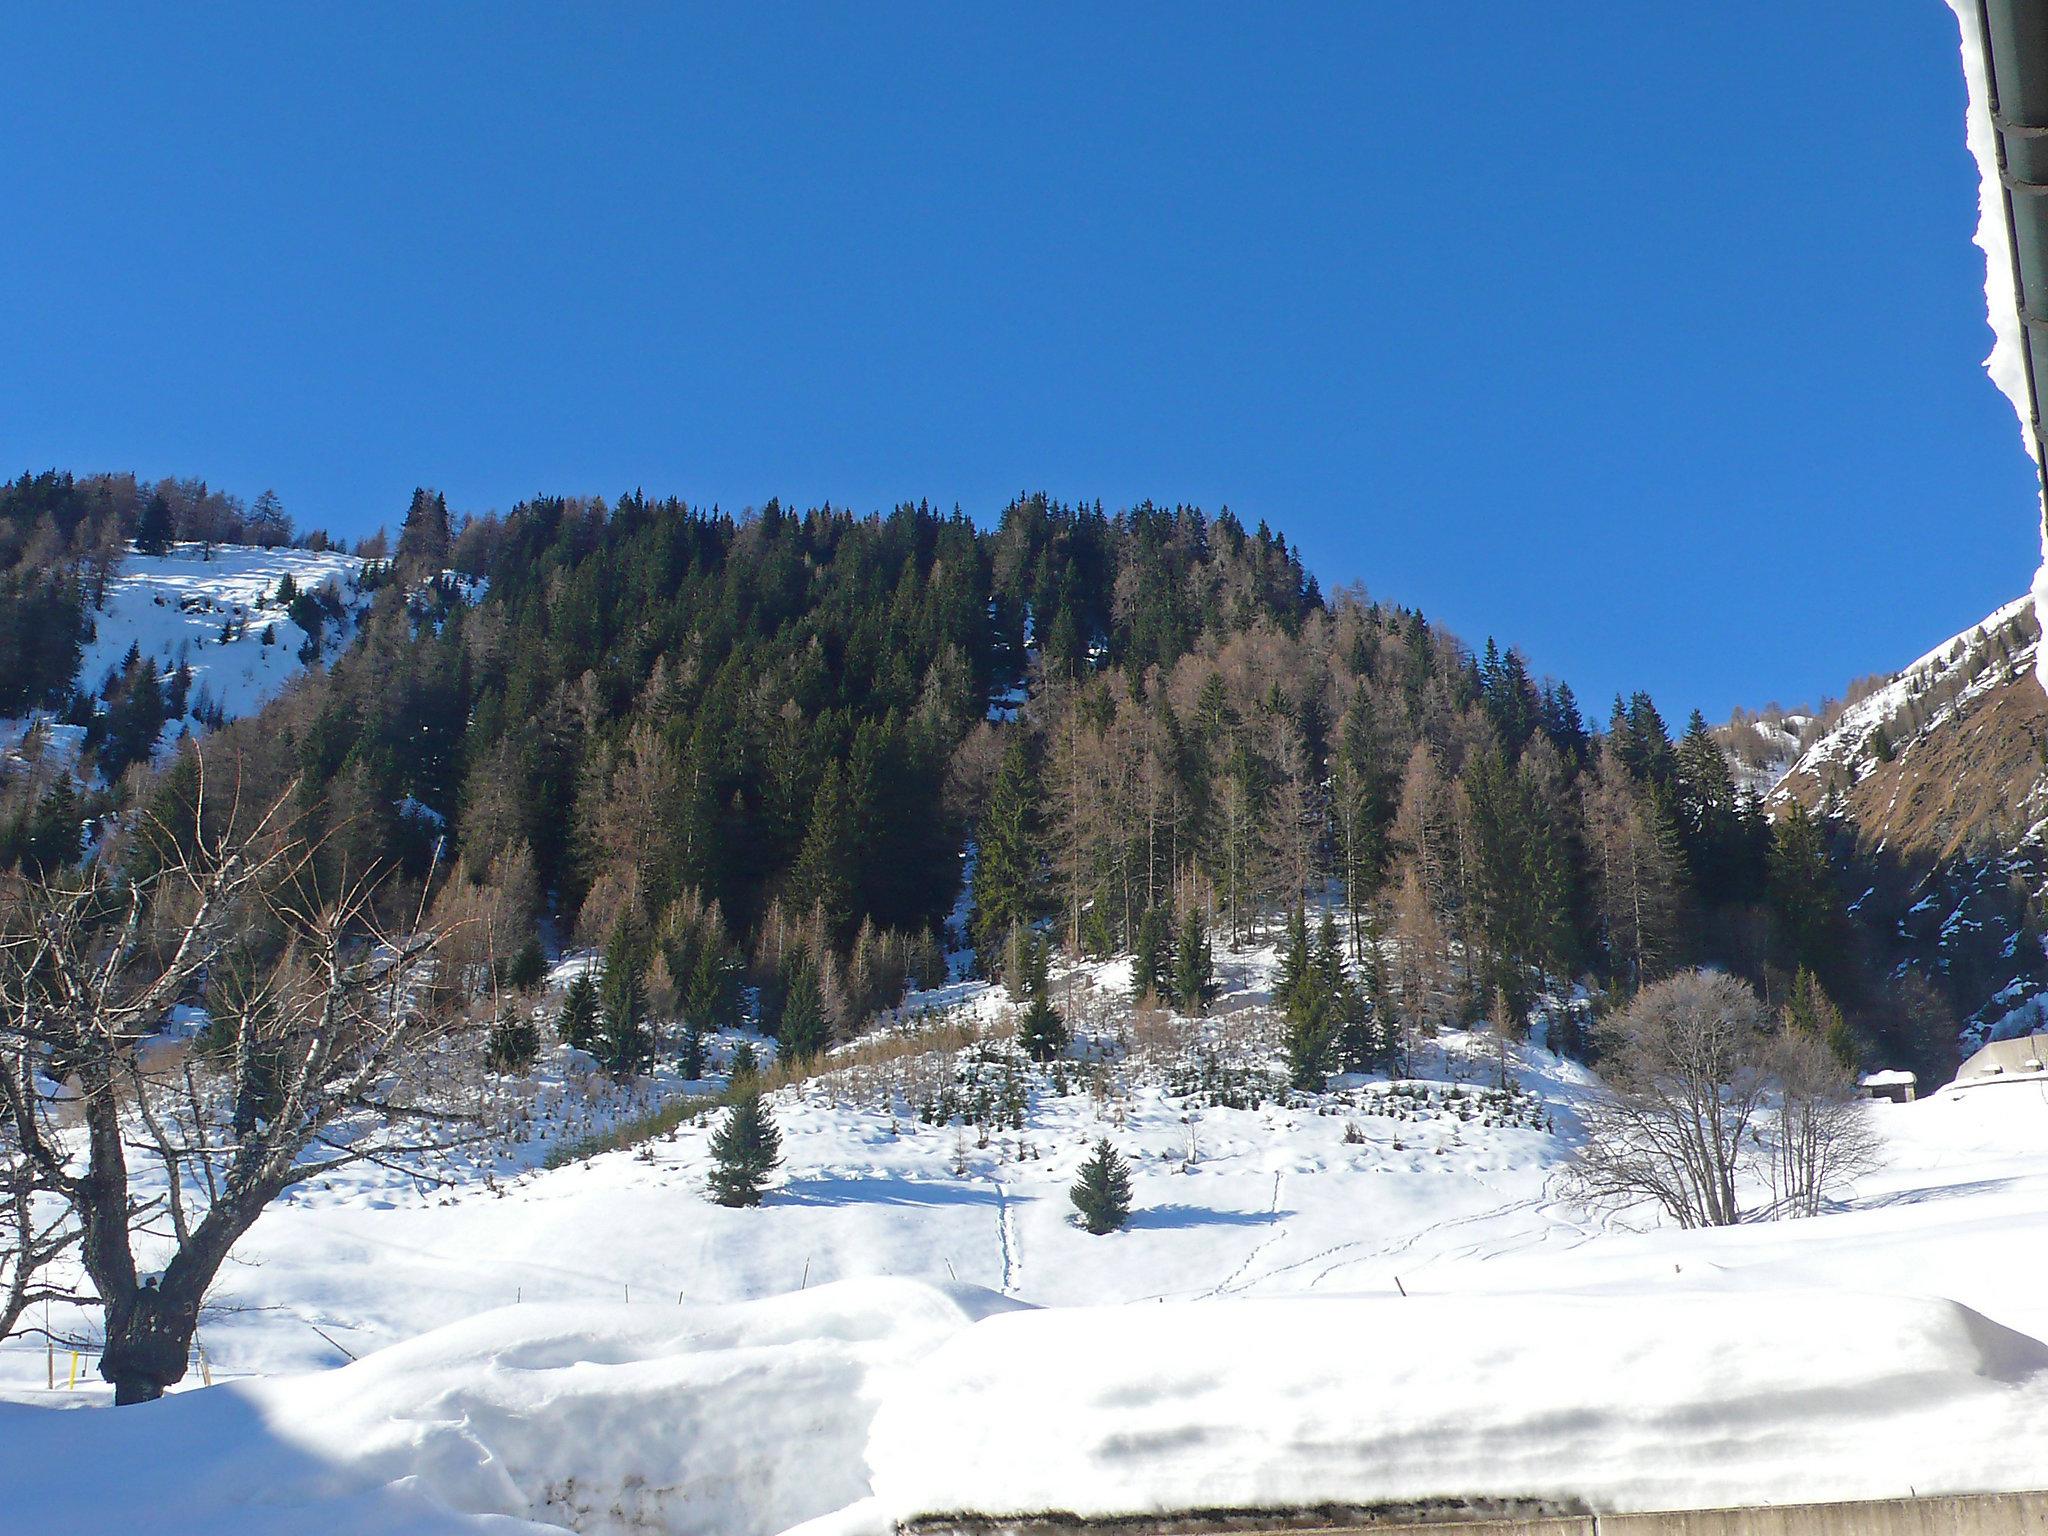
(577, 1024)
(1361, 806)
(745, 1064)
(1317, 1006)
(1804, 907)
(826, 864)
(1708, 817)
(712, 994)
(1041, 1031)
(1811, 1011)
(1151, 960)
(1565, 726)
(50, 834)
(624, 1044)
(803, 1031)
(710, 1002)
(154, 532)
(708, 998)
(134, 720)
(1194, 965)
(1294, 984)
(1102, 1194)
(1310, 1041)
(744, 1151)
(1007, 855)
(1331, 976)
(424, 537)
(528, 967)
(513, 1043)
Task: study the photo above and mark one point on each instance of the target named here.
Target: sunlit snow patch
(1684, 1400)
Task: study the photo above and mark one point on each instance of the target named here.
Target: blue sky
(1644, 337)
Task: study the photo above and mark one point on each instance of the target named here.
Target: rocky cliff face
(1936, 786)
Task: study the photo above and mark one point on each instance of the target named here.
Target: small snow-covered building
(2020, 1059)
(1894, 1086)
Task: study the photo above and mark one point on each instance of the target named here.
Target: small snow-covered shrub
(513, 1045)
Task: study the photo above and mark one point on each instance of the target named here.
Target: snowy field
(175, 606)
(1380, 1294)
(208, 608)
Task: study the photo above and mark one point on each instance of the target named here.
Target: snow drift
(1691, 1399)
(741, 1419)
(845, 1408)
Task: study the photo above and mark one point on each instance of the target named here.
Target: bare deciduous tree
(1695, 1065)
(1822, 1135)
(1685, 1066)
(321, 1057)
(35, 1233)
(1636, 878)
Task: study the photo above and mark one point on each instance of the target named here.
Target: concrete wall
(1984, 1514)
(1980, 1514)
(1998, 1514)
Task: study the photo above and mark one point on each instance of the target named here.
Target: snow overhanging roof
(2015, 82)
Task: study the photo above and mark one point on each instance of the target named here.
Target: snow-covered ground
(1761, 751)
(175, 607)
(209, 608)
(1693, 1398)
(1940, 683)
(1378, 1294)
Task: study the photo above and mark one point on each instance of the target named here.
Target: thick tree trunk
(149, 1341)
(151, 1322)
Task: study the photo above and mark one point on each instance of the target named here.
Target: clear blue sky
(1646, 337)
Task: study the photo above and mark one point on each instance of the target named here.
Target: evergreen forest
(787, 762)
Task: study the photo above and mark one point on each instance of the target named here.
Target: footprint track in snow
(1227, 1285)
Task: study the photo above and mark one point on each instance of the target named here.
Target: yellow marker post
(72, 1384)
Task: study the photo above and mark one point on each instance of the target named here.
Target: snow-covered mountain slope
(1761, 749)
(1932, 700)
(1346, 1297)
(210, 608)
(214, 609)
(1939, 781)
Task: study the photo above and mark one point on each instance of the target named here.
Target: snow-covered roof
(2019, 1058)
(2005, 62)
